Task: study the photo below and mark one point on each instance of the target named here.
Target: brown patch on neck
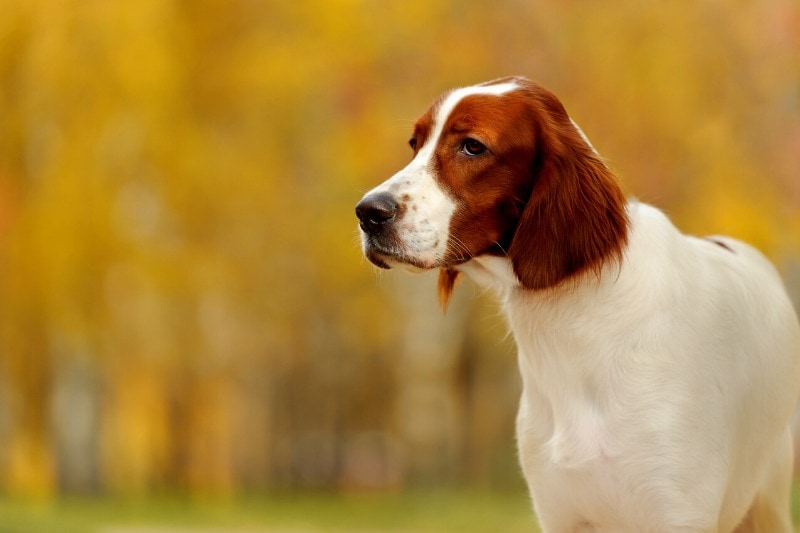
(447, 282)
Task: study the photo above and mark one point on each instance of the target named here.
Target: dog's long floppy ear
(447, 281)
(575, 218)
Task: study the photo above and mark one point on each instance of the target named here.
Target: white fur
(656, 397)
(583, 136)
(425, 223)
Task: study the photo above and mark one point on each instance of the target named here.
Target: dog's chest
(564, 419)
(575, 429)
(567, 454)
(572, 452)
(569, 406)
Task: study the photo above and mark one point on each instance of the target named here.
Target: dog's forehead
(434, 120)
(450, 100)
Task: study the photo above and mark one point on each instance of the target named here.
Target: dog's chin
(388, 261)
(377, 259)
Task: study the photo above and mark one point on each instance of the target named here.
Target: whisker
(458, 246)
(501, 247)
(356, 242)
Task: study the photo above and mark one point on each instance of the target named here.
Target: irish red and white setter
(660, 371)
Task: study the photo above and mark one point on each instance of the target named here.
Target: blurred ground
(438, 511)
(407, 512)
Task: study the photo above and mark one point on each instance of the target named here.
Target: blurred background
(184, 306)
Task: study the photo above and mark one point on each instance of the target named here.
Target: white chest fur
(652, 400)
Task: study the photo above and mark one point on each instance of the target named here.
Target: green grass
(436, 511)
(441, 511)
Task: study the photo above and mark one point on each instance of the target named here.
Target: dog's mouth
(390, 257)
(377, 259)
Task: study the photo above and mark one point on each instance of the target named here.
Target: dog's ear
(575, 218)
(447, 281)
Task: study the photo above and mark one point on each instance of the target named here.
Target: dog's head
(498, 169)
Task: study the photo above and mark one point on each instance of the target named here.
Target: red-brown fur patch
(447, 281)
(539, 194)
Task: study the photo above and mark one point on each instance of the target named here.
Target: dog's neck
(495, 273)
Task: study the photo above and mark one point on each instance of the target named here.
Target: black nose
(376, 210)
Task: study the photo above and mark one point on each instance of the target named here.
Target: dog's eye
(412, 142)
(471, 147)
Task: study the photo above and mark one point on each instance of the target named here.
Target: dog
(659, 371)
